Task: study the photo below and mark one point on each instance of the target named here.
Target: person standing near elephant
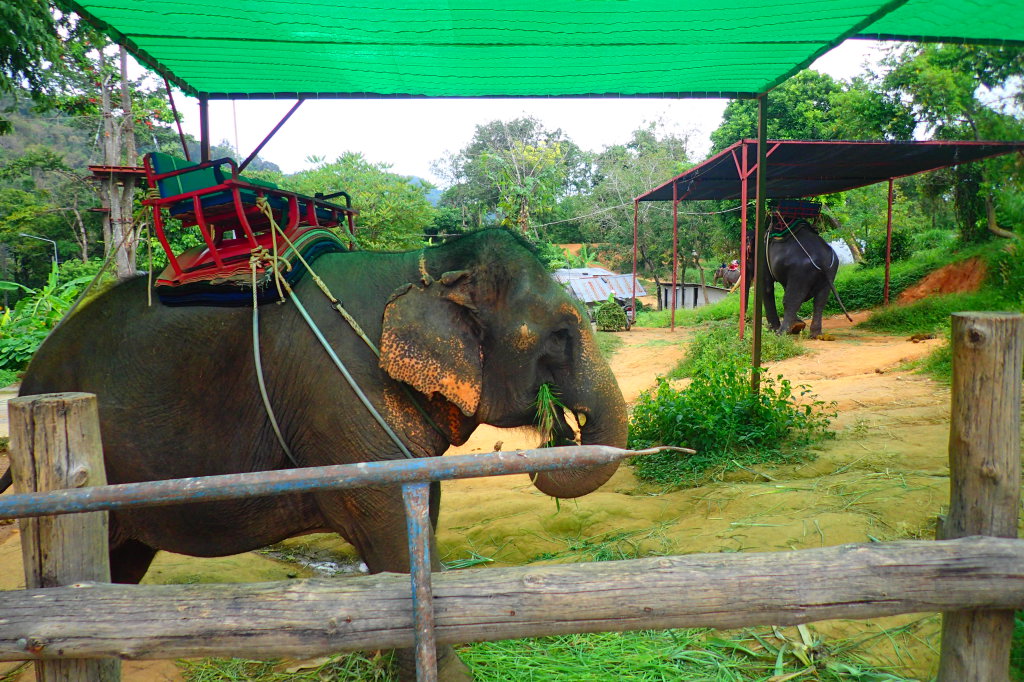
(467, 334)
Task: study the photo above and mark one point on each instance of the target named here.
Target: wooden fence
(77, 626)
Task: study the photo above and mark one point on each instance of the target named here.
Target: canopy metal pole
(636, 223)
(675, 254)
(177, 120)
(204, 127)
(759, 225)
(888, 247)
(261, 145)
(744, 274)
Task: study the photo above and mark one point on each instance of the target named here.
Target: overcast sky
(410, 134)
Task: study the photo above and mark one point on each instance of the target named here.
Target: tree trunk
(119, 149)
(855, 250)
(990, 214)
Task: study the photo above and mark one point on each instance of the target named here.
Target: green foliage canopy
(394, 212)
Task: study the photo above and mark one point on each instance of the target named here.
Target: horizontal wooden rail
(315, 617)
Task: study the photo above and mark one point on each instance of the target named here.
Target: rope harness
(272, 262)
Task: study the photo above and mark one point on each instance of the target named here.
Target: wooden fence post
(55, 444)
(985, 477)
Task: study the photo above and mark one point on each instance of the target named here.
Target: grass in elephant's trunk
(549, 411)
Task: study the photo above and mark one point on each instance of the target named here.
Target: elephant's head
(484, 326)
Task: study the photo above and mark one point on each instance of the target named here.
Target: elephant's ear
(430, 341)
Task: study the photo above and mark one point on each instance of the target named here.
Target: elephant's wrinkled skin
(476, 326)
(802, 278)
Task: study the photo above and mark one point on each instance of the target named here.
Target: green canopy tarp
(541, 48)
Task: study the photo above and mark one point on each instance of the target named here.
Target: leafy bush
(721, 343)
(933, 239)
(1006, 278)
(728, 425)
(24, 327)
(874, 254)
(610, 316)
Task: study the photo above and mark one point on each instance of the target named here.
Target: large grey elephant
(805, 265)
(468, 330)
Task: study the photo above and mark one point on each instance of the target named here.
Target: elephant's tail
(6, 480)
(835, 293)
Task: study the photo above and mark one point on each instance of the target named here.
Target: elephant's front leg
(770, 311)
(373, 520)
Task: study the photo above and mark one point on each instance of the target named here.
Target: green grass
(608, 343)
(930, 315)
(1017, 651)
(719, 344)
(726, 309)
(694, 655)
(357, 667)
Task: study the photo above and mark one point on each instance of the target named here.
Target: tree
(950, 90)
(622, 172)
(394, 212)
(511, 168)
(528, 178)
(814, 106)
(29, 47)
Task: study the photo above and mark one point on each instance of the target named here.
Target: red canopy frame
(802, 168)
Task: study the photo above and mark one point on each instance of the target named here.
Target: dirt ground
(883, 477)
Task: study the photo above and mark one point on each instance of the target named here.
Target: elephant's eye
(558, 346)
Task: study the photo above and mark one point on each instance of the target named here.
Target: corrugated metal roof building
(592, 285)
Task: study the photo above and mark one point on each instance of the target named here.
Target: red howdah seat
(234, 215)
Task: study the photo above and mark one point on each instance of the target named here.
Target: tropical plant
(24, 327)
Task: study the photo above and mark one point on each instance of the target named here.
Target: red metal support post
(888, 247)
(675, 251)
(636, 224)
(744, 274)
(759, 226)
(261, 145)
(177, 120)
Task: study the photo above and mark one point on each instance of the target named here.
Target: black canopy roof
(799, 168)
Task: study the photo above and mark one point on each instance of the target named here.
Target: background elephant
(805, 265)
(474, 327)
(726, 276)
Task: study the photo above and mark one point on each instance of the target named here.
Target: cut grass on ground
(645, 655)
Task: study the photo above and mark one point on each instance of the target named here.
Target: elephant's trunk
(594, 394)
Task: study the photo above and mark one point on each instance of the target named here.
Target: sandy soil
(883, 477)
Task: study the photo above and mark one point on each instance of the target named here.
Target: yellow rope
(264, 207)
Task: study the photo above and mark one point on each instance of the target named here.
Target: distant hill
(433, 195)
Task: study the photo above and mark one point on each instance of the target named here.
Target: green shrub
(728, 425)
(24, 327)
(933, 239)
(1006, 278)
(721, 343)
(874, 254)
(610, 316)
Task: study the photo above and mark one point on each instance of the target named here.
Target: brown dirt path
(883, 477)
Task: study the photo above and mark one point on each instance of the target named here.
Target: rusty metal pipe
(311, 479)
